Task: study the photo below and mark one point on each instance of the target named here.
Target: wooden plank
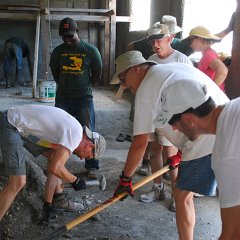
(124, 19)
(35, 67)
(86, 18)
(23, 8)
(102, 11)
(106, 63)
(20, 5)
(112, 47)
(18, 16)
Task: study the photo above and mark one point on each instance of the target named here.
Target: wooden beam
(124, 19)
(112, 47)
(81, 10)
(18, 16)
(35, 67)
(85, 18)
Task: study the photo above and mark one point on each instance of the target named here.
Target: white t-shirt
(46, 126)
(147, 105)
(226, 154)
(176, 56)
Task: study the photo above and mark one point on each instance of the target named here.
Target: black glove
(124, 185)
(79, 184)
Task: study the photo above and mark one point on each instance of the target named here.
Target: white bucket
(47, 91)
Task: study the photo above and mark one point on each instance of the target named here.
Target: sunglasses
(122, 79)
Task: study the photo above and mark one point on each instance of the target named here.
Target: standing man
(53, 133)
(194, 112)
(15, 48)
(182, 45)
(76, 66)
(160, 39)
(143, 77)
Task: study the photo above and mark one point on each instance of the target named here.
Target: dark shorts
(13, 153)
(197, 176)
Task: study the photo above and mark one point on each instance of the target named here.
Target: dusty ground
(129, 219)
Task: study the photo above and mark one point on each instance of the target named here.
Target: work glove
(79, 184)
(174, 160)
(124, 185)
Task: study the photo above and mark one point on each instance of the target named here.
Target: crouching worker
(53, 133)
(15, 49)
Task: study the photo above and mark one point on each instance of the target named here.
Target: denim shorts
(13, 153)
(197, 176)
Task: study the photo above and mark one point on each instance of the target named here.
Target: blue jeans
(12, 51)
(83, 110)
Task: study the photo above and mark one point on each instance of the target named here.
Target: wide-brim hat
(203, 32)
(171, 22)
(158, 31)
(126, 61)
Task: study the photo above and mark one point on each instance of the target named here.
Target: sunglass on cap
(93, 137)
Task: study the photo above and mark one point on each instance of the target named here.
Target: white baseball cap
(97, 139)
(179, 96)
(126, 61)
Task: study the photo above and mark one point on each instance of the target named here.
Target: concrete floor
(129, 219)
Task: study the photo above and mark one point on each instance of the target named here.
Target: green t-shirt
(72, 66)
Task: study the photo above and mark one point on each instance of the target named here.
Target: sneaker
(61, 202)
(172, 206)
(198, 195)
(157, 193)
(144, 170)
(92, 173)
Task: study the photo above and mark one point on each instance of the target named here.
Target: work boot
(144, 170)
(61, 202)
(49, 213)
(157, 193)
(92, 173)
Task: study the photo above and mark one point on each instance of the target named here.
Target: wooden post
(35, 66)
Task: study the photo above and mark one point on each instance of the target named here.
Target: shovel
(104, 205)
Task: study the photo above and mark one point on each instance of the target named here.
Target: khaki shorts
(161, 139)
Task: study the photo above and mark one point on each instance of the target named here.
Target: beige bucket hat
(126, 61)
(157, 31)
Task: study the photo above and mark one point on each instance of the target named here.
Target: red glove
(124, 185)
(174, 160)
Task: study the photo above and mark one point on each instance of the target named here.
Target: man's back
(41, 123)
